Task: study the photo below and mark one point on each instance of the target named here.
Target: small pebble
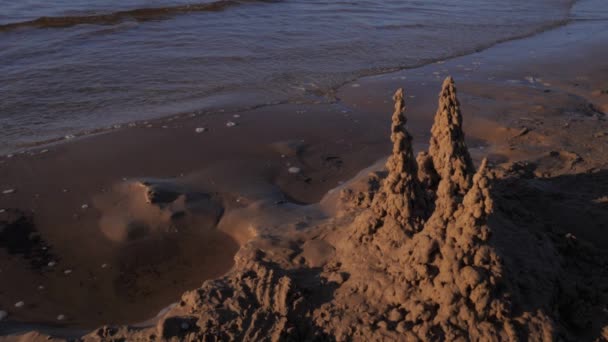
(52, 263)
(84, 206)
(185, 326)
(40, 287)
(60, 317)
(104, 265)
(44, 151)
(236, 116)
(8, 191)
(230, 124)
(66, 272)
(200, 129)
(293, 169)
(70, 136)
(2, 210)
(356, 85)
(19, 304)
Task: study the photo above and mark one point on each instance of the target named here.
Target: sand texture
(428, 248)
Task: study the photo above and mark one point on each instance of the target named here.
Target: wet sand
(241, 157)
(539, 99)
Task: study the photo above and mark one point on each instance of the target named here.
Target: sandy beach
(254, 224)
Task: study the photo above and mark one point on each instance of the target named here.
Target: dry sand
(430, 247)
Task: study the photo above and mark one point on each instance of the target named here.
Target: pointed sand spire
(400, 196)
(478, 200)
(448, 150)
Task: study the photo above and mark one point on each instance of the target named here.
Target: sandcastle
(410, 258)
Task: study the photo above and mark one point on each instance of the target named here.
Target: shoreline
(359, 118)
(328, 98)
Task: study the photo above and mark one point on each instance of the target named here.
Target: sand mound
(134, 210)
(425, 250)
